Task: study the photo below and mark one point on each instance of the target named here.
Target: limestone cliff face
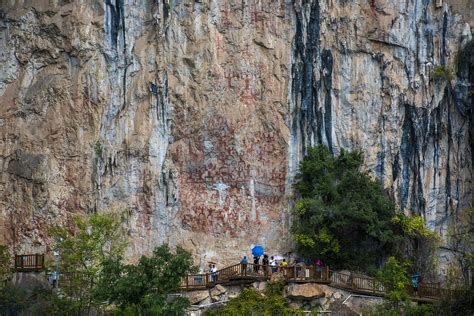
(367, 75)
(193, 115)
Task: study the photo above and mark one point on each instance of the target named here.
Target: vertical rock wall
(85, 117)
(228, 87)
(381, 76)
(193, 115)
(172, 110)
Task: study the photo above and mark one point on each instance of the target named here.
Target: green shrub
(83, 249)
(341, 212)
(6, 269)
(441, 73)
(394, 276)
(142, 288)
(251, 302)
(462, 303)
(98, 149)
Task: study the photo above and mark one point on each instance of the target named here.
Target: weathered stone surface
(217, 290)
(194, 117)
(29, 167)
(337, 295)
(361, 303)
(377, 92)
(306, 291)
(197, 296)
(206, 302)
(277, 276)
(341, 309)
(233, 291)
(319, 301)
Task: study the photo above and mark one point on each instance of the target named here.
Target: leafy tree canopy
(142, 288)
(83, 248)
(5, 265)
(341, 214)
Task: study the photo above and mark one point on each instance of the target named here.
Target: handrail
(306, 274)
(24, 263)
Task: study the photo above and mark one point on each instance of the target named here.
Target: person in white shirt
(214, 273)
(273, 264)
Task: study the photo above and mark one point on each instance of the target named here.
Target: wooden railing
(25, 263)
(240, 271)
(433, 290)
(353, 282)
(195, 281)
(302, 273)
(306, 274)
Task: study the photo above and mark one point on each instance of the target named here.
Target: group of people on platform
(266, 262)
(273, 264)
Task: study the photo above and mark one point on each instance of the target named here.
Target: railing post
(187, 282)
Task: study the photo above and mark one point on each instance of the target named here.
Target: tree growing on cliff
(83, 249)
(461, 243)
(418, 245)
(341, 212)
(141, 289)
(394, 275)
(5, 265)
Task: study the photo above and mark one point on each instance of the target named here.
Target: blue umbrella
(257, 251)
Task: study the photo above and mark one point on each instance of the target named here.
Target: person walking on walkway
(244, 262)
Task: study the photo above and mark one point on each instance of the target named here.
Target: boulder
(218, 290)
(277, 276)
(306, 291)
(260, 286)
(319, 302)
(195, 297)
(206, 302)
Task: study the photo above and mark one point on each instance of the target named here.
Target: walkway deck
(243, 273)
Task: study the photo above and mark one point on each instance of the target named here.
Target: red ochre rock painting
(227, 185)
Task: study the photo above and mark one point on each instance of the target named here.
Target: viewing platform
(247, 273)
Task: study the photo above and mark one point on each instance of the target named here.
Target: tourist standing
(214, 273)
(414, 283)
(265, 263)
(283, 266)
(273, 264)
(256, 263)
(244, 262)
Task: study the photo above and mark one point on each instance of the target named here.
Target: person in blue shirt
(414, 283)
(244, 262)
